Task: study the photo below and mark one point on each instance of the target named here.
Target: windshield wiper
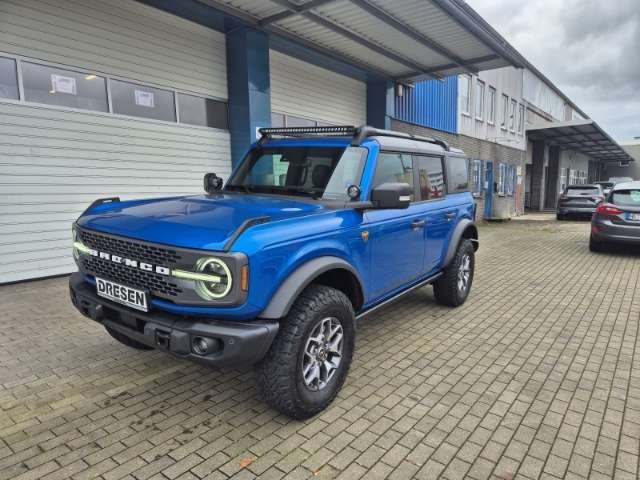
(315, 194)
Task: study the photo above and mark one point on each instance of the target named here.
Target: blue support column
(249, 87)
(380, 103)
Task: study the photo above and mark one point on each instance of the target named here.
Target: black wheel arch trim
(463, 226)
(300, 279)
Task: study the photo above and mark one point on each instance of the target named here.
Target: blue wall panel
(432, 103)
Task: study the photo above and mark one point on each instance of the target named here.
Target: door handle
(450, 215)
(416, 224)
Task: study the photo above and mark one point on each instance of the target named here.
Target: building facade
(485, 117)
(134, 99)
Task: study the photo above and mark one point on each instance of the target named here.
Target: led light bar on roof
(343, 130)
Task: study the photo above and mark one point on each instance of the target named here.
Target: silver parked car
(617, 220)
(579, 200)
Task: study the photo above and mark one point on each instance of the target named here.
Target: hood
(201, 222)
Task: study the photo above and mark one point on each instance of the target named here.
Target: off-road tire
(279, 373)
(595, 245)
(446, 288)
(123, 339)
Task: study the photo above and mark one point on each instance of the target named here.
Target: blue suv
(315, 228)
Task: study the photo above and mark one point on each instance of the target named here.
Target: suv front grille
(155, 283)
(142, 280)
(130, 248)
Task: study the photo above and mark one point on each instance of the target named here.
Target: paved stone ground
(536, 376)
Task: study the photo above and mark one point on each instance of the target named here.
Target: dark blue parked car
(315, 228)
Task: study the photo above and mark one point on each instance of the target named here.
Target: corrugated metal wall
(55, 160)
(431, 104)
(302, 89)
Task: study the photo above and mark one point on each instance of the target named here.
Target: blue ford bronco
(315, 228)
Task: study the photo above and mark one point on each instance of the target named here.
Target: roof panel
(310, 31)
(397, 38)
(582, 135)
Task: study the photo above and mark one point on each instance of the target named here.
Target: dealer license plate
(119, 293)
(633, 217)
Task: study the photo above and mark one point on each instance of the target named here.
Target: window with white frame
(476, 172)
(502, 179)
(491, 106)
(479, 99)
(520, 119)
(28, 80)
(510, 180)
(465, 94)
(505, 111)
(512, 115)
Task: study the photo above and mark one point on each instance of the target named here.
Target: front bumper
(235, 343)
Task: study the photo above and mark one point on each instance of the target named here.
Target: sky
(590, 49)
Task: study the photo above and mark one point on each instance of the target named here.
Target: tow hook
(162, 339)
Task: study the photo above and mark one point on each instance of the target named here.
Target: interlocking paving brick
(536, 376)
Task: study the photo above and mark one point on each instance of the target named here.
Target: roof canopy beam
(292, 10)
(390, 20)
(328, 24)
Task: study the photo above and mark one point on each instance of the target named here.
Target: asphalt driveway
(537, 375)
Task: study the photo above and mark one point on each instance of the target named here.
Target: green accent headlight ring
(201, 287)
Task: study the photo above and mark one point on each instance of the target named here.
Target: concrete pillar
(537, 175)
(380, 103)
(249, 87)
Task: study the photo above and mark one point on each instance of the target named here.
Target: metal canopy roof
(584, 136)
(404, 40)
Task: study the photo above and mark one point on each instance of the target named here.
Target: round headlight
(213, 290)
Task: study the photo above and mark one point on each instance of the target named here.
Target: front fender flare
(300, 279)
(456, 237)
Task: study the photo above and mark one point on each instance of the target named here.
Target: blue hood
(202, 222)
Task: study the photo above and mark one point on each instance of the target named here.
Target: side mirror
(212, 183)
(392, 195)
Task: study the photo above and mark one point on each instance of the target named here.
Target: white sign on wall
(144, 99)
(62, 84)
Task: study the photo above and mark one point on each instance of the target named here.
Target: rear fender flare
(464, 225)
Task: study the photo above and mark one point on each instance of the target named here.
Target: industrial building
(103, 98)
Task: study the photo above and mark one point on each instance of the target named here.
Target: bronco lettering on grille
(147, 267)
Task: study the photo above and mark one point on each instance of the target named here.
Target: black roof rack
(358, 134)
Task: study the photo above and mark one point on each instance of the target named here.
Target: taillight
(608, 209)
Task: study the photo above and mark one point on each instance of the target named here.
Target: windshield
(626, 198)
(316, 172)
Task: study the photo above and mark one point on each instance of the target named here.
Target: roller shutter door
(54, 160)
(300, 89)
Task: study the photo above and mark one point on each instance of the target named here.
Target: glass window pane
(196, 110)
(394, 168)
(299, 122)
(457, 174)
(277, 120)
(142, 101)
(431, 177)
(8, 79)
(479, 100)
(54, 86)
(346, 173)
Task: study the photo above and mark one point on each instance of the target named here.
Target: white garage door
(306, 93)
(115, 99)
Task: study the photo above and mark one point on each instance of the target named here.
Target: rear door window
(431, 177)
(626, 198)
